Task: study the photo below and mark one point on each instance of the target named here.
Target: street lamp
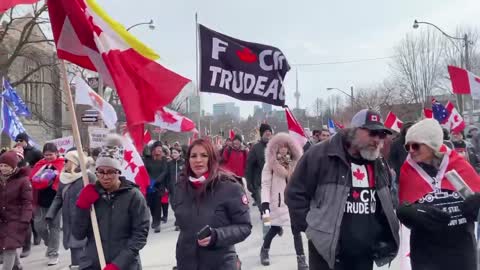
(352, 99)
(150, 24)
(466, 62)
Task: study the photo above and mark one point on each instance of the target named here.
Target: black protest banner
(240, 69)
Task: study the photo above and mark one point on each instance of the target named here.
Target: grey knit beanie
(112, 152)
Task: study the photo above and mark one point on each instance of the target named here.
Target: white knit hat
(112, 152)
(428, 131)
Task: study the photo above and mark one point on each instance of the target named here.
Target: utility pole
(352, 99)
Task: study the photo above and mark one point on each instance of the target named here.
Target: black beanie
(264, 127)
(238, 137)
(22, 136)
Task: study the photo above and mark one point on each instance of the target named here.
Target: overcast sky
(306, 31)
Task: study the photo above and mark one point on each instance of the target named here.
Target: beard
(367, 151)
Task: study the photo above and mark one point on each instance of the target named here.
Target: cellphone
(204, 232)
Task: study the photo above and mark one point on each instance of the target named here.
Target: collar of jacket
(336, 147)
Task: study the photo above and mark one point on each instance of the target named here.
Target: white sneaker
(53, 261)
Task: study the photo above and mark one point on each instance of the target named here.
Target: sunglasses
(378, 133)
(413, 146)
(19, 141)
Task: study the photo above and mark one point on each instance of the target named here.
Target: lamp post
(352, 99)
(466, 60)
(150, 24)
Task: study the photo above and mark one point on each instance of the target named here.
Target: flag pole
(197, 73)
(83, 167)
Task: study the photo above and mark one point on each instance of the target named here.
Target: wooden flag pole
(83, 166)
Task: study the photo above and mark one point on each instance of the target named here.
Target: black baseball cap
(370, 120)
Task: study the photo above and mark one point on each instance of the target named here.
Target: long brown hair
(215, 172)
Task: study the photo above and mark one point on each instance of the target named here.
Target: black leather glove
(470, 207)
(423, 216)
(265, 206)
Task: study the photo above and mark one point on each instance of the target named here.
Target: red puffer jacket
(235, 160)
(15, 209)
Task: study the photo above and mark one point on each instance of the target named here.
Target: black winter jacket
(123, 221)
(255, 163)
(174, 169)
(31, 156)
(225, 208)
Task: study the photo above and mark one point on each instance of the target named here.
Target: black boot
(302, 262)
(264, 258)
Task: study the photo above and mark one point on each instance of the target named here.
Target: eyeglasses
(413, 146)
(106, 173)
(378, 133)
(19, 140)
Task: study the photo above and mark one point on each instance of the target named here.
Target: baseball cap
(370, 120)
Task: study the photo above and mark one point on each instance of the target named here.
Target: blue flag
(12, 98)
(440, 113)
(10, 122)
(331, 126)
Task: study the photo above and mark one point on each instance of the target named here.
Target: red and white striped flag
(464, 82)
(393, 122)
(295, 129)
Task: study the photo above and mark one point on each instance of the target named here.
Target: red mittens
(111, 266)
(87, 197)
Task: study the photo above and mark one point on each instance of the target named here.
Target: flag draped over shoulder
(86, 36)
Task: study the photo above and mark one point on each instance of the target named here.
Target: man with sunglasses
(339, 195)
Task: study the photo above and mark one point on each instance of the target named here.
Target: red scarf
(198, 182)
(415, 183)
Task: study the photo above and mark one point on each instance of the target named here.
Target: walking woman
(15, 208)
(45, 177)
(175, 167)
(441, 221)
(71, 183)
(211, 209)
(121, 209)
(281, 156)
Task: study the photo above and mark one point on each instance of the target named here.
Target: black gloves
(265, 206)
(470, 207)
(423, 217)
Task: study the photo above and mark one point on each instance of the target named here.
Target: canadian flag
(86, 96)
(427, 113)
(393, 122)
(146, 137)
(404, 249)
(231, 134)
(464, 82)
(7, 4)
(174, 121)
(295, 129)
(455, 119)
(134, 169)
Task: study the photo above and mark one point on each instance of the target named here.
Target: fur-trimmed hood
(274, 144)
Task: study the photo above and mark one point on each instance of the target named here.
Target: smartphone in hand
(204, 232)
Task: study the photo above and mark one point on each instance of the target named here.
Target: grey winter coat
(123, 221)
(225, 208)
(66, 199)
(317, 195)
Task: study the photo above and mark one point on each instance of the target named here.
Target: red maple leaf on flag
(359, 174)
(166, 116)
(455, 118)
(61, 150)
(355, 194)
(129, 158)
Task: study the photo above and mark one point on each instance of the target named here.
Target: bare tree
(317, 107)
(375, 98)
(419, 65)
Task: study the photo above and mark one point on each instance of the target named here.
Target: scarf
(415, 183)
(68, 178)
(284, 160)
(198, 182)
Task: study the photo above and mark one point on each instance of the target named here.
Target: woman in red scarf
(211, 209)
(45, 177)
(441, 221)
